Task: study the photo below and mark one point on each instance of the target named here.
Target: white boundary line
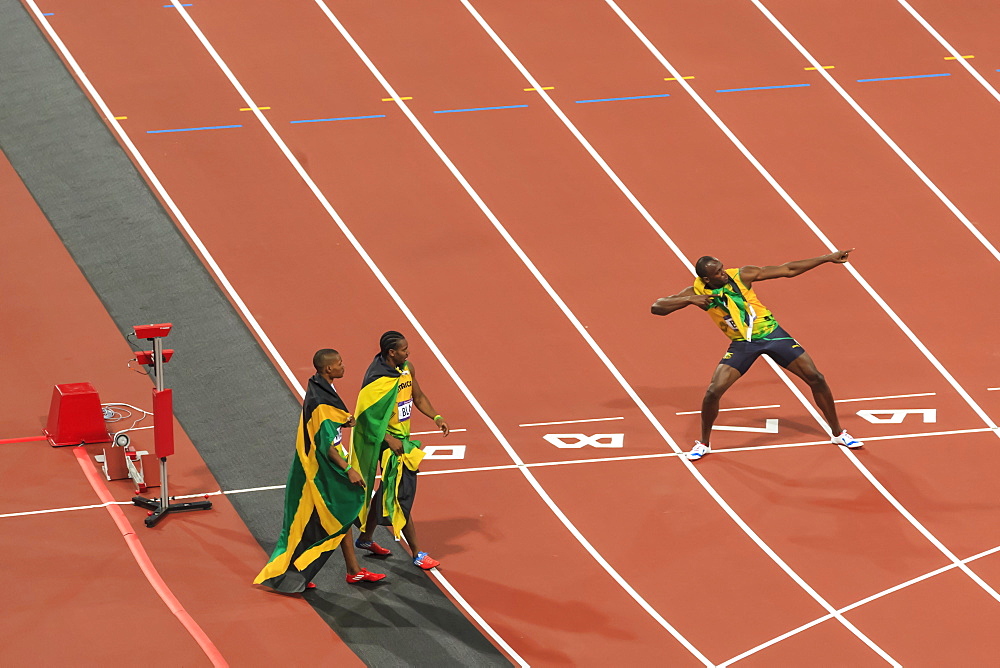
(545, 424)
(857, 276)
(950, 49)
(217, 270)
(878, 130)
(165, 197)
(888, 396)
(638, 401)
(608, 568)
(856, 605)
(505, 467)
(741, 408)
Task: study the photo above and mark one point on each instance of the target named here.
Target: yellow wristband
(436, 418)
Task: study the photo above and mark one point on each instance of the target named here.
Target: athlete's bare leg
(350, 560)
(804, 368)
(722, 380)
(374, 515)
(410, 534)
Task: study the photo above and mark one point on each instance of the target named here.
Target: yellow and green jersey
(736, 309)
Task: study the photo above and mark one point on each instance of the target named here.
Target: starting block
(122, 461)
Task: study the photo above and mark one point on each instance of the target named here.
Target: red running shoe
(372, 547)
(424, 561)
(364, 576)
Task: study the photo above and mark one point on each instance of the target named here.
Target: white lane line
(888, 396)
(166, 199)
(741, 408)
(861, 281)
(881, 133)
(950, 49)
(544, 424)
(604, 358)
(209, 259)
(992, 389)
(504, 467)
(856, 605)
(604, 563)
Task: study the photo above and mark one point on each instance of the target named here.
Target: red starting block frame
(163, 424)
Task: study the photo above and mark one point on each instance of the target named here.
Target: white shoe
(698, 451)
(847, 440)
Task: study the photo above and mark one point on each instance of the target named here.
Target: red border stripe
(148, 569)
(21, 440)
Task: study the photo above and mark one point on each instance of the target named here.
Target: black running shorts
(778, 345)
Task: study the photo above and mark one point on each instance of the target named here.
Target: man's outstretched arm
(791, 269)
(686, 297)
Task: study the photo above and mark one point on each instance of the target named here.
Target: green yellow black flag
(320, 501)
(384, 406)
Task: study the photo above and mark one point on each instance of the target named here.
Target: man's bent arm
(791, 269)
(686, 297)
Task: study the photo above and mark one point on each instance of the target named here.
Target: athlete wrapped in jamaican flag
(384, 407)
(389, 394)
(325, 492)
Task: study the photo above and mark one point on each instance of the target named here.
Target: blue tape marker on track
(53, 14)
(617, 99)
(455, 111)
(345, 118)
(183, 5)
(737, 90)
(913, 76)
(214, 127)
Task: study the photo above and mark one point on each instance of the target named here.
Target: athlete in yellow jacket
(728, 298)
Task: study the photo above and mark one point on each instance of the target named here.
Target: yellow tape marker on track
(825, 67)
(542, 88)
(251, 109)
(675, 78)
(954, 58)
(389, 99)
(121, 118)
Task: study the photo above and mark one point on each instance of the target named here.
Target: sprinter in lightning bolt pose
(726, 295)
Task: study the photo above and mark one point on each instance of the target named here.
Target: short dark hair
(703, 263)
(322, 357)
(389, 341)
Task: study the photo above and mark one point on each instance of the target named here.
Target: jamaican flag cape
(320, 501)
(736, 309)
(384, 406)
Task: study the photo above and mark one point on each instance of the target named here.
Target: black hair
(323, 356)
(389, 341)
(703, 263)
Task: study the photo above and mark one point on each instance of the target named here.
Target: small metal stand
(163, 430)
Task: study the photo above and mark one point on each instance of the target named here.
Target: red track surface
(76, 596)
(523, 359)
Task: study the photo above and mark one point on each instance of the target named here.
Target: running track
(521, 244)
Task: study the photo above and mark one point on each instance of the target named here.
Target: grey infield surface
(240, 416)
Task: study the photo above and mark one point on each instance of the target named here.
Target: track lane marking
(504, 467)
(856, 605)
(608, 568)
(878, 129)
(740, 408)
(593, 344)
(200, 247)
(545, 424)
(950, 49)
(854, 272)
(217, 270)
